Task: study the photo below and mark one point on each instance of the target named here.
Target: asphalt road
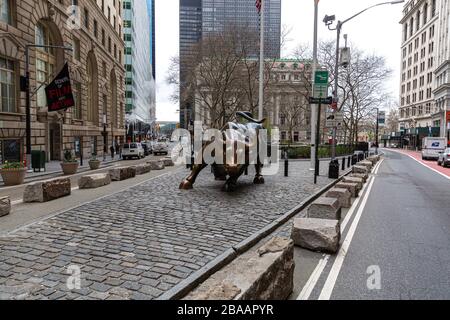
(401, 246)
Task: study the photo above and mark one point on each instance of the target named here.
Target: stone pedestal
(47, 190)
(325, 208)
(94, 181)
(5, 206)
(321, 235)
(343, 195)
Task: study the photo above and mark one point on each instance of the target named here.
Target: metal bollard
(343, 163)
(349, 163)
(246, 171)
(286, 167)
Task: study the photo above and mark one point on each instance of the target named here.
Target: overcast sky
(375, 31)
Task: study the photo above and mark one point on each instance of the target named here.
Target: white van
(432, 146)
(132, 150)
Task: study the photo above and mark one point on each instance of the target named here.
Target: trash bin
(333, 170)
(38, 160)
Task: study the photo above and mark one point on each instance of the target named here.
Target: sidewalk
(54, 167)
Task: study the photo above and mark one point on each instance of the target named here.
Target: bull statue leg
(231, 183)
(188, 183)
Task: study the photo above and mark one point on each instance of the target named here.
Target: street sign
(313, 100)
(381, 118)
(321, 77)
(334, 119)
(320, 83)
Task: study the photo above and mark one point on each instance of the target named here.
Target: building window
(92, 88)
(8, 85)
(76, 48)
(6, 11)
(45, 62)
(76, 110)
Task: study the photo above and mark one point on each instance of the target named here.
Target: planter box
(13, 177)
(69, 167)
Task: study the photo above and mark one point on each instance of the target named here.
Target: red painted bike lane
(417, 155)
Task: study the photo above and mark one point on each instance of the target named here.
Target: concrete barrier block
(352, 187)
(5, 206)
(322, 235)
(44, 191)
(265, 274)
(360, 169)
(343, 195)
(367, 164)
(325, 208)
(358, 181)
(94, 181)
(143, 169)
(168, 162)
(363, 176)
(122, 173)
(156, 164)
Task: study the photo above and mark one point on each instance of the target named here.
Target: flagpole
(261, 63)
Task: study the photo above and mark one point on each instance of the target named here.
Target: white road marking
(327, 289)
(315, 275)
(312, 281)
(423, 164)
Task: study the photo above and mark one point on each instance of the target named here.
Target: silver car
(444, 158)
(161, 147)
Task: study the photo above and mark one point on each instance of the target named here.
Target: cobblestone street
(139, 243)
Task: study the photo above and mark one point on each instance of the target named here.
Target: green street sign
(321, 77)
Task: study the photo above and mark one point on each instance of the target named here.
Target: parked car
(133, 150)
(432, 146)
(161, 147)
(444, 158)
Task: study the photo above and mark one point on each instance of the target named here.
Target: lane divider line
(316, 274)
(328, 288)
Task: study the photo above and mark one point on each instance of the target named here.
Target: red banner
(59, 91)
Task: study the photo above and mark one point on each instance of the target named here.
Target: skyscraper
(139, 81)
(198, 18)
(190, 33)
(151, 14)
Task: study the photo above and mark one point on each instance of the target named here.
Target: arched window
(92, 88)
(45, 61)
(418, 20)
(411, 26)
(425, 13)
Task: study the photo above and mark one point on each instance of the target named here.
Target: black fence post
(343, 163)
(286, 167)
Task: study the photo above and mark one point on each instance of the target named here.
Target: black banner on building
(59, 91)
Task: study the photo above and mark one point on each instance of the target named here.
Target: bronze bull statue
(230, 172)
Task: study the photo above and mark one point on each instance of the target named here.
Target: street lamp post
(376, 131)
(328, 21)
(28, 96)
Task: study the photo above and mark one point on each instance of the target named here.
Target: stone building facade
(418, 61)
(94, 30)
(286, 104)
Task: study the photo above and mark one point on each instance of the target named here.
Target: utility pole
(376, 131)
(314, 108)
(261, 63)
